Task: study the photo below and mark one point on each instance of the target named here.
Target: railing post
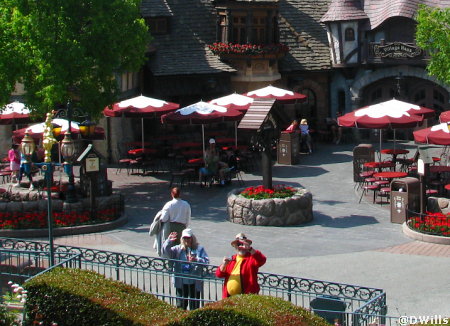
(117, 267)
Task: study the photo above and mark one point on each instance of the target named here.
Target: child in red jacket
(241, 271)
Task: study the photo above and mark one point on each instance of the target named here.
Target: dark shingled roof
(380, 10)
(155, 8)
(184, 50)
(301, 29)
(341, 10)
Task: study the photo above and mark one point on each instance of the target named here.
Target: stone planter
(294, 210)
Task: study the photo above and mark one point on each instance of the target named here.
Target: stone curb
(73, 230)
(424, 237)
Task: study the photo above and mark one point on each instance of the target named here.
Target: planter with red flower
(279, 206)
(431, 227)
(232, 50)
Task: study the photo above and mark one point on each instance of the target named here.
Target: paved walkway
(347, 242)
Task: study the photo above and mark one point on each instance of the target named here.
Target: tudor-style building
(374, 55)
(343, 54)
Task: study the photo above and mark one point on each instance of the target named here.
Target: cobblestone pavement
(347, 242)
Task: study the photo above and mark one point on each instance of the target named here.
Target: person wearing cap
(213, 165)
(241, 271)
(177, 213)
(304, 134)
(187, 282)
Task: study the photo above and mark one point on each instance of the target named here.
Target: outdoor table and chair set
(377, 176)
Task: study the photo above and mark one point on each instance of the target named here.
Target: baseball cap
(187, 233)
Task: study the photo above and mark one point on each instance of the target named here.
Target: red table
(390, 175)
(379, 165)
(447, 186)
(397, 151)
(140, 151)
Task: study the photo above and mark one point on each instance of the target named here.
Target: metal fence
(349, 304)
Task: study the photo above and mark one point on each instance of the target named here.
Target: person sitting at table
(213, 165)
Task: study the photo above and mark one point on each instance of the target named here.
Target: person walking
(241, 271)
(187, 271)
(14, 162)
(304, 134)
(177, 213)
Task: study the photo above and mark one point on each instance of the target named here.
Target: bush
(254, 310)
(78, 297)
(8, 318)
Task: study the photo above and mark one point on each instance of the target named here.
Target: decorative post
(47, 167)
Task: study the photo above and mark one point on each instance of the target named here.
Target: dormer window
(349, 34)
(158, 25)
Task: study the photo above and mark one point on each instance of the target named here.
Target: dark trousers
(188, 291)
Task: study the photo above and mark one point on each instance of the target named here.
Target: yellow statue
(48, 139)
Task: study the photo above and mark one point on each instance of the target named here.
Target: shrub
(78, 297)
(251, 310)
(8, 318)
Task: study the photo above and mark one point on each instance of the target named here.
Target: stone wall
(294, 210)
(438, 204)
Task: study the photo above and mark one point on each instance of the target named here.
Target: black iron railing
(356, 305)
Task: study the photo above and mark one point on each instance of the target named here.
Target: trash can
(329, 308)
(405, 198)
(361, 154)
(288, 148)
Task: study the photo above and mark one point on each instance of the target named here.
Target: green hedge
(79, 297)
(254, 310)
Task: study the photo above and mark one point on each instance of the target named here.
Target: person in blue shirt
(187, 270)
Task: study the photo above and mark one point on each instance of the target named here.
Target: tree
(70, 50)
(433, 35)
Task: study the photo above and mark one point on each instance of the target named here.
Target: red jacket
(249, 273)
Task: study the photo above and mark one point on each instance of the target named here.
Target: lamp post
(27, 147)
(48, 142)
(68, 152)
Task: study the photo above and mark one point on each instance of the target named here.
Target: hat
(187, 233)
(240, 237)
(212, 141)
(304, 122)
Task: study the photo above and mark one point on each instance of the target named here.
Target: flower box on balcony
(249, 51)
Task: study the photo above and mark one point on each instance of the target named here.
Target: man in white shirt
(177, 213)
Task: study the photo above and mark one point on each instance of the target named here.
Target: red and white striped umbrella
(140, 107)
(276, 93)
(36, 131)
(202, 113)
(15, 112)
(234, 101)
(437, 135)
(445, 116)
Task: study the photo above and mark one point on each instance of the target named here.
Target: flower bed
(33, 214)
(279, 191)
(431, 223)
(220, 48)
(258, 206)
